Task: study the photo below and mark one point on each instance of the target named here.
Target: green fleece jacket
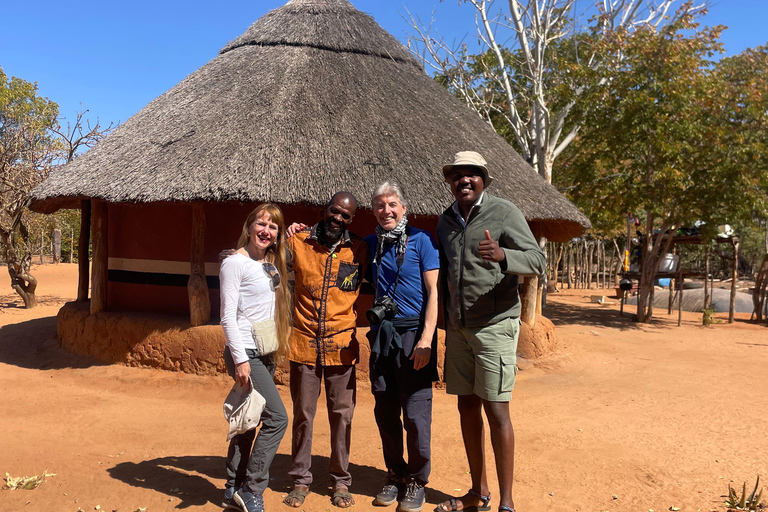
(477, 292)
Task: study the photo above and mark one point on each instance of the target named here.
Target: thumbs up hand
(489, 249)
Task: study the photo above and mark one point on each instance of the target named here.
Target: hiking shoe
(228, 501)
(388, 494)
(248, 501)
(414, 498)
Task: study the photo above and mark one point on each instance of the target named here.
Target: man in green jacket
(485, 245)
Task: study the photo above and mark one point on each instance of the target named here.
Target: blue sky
(116, 58)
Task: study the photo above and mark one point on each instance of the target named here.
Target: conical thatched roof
(313, 98)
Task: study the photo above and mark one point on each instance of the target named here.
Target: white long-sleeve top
(246, 294)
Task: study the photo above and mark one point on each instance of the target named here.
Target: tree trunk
(57, 245)
(556, 276)
(707, 298)
(758, 294)
(22, 281)
(568, 270)
(735, 281)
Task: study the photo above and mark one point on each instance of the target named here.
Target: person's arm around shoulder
(230, 277)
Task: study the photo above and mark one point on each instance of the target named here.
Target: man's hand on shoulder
(294, 228)
(489, 249)
(226, 253)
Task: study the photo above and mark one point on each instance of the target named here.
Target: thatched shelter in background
(313, 98)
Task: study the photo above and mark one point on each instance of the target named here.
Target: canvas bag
(242, 409)
(264, 336)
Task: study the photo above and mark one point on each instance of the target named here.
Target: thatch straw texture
(315, 97)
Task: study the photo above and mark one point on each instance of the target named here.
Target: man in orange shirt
(329, 264)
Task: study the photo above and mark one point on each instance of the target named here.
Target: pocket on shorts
(508, 374)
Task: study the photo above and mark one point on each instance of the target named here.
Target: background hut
(313, 98)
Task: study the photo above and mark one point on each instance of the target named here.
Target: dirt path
(657, 416)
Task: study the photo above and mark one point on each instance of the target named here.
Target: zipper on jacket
(461, 270)
(461, 275)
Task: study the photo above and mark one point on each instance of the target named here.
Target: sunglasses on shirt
(271, 271)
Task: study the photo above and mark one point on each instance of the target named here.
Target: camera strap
(399, 259)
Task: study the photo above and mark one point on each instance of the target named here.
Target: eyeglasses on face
(271, 271)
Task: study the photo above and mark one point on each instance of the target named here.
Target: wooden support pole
(681, 284)
(528, 310)
(197, 287)
(672, 287)
(83, 259)
(99, 275)
(735, 280)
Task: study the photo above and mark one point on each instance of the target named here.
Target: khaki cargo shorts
(482, 361)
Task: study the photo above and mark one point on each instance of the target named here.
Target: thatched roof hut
(314, 97)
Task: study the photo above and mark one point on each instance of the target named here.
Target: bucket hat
(468, 159)
(242, 409)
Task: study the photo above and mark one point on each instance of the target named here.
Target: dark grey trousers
(248, 462)
(400, 390)
(340, 396)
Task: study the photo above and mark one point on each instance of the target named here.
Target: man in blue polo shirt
(403, 361)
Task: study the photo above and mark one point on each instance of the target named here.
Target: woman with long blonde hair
(256, 317)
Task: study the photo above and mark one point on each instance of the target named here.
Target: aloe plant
(745, 502)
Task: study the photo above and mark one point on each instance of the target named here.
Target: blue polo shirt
(420, 256)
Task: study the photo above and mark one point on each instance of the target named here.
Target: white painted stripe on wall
(159, 266)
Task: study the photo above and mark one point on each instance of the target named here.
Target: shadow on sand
(179, 477)
(32, 344)
(575, 314)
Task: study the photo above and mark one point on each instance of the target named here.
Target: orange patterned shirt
(327, 284)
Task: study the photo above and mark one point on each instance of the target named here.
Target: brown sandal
(296, 497)
(342, 498)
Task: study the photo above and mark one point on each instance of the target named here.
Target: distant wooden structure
(680, 275)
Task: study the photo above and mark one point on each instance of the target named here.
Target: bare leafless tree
(519, 38)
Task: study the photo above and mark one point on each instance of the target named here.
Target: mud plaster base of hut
(163, 341)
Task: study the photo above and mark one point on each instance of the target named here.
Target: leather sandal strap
(485, 498)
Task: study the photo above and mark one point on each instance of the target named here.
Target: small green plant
(745, 502)
(708, 316)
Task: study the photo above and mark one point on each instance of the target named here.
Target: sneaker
(414, 498)
(248, 501)
(389, 493)
(229, 498)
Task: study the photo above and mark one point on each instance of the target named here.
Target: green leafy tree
(28, 150)
(660, 140)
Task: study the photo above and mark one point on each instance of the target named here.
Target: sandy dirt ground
(625, 417)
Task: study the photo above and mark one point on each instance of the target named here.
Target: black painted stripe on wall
(129, 276)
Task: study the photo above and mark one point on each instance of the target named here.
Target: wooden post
(99, 276)
(84, 242)
(735, 281)
(197, 287)
(672, 286)
(528, 311)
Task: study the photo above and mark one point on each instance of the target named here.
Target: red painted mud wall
(162, 232)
